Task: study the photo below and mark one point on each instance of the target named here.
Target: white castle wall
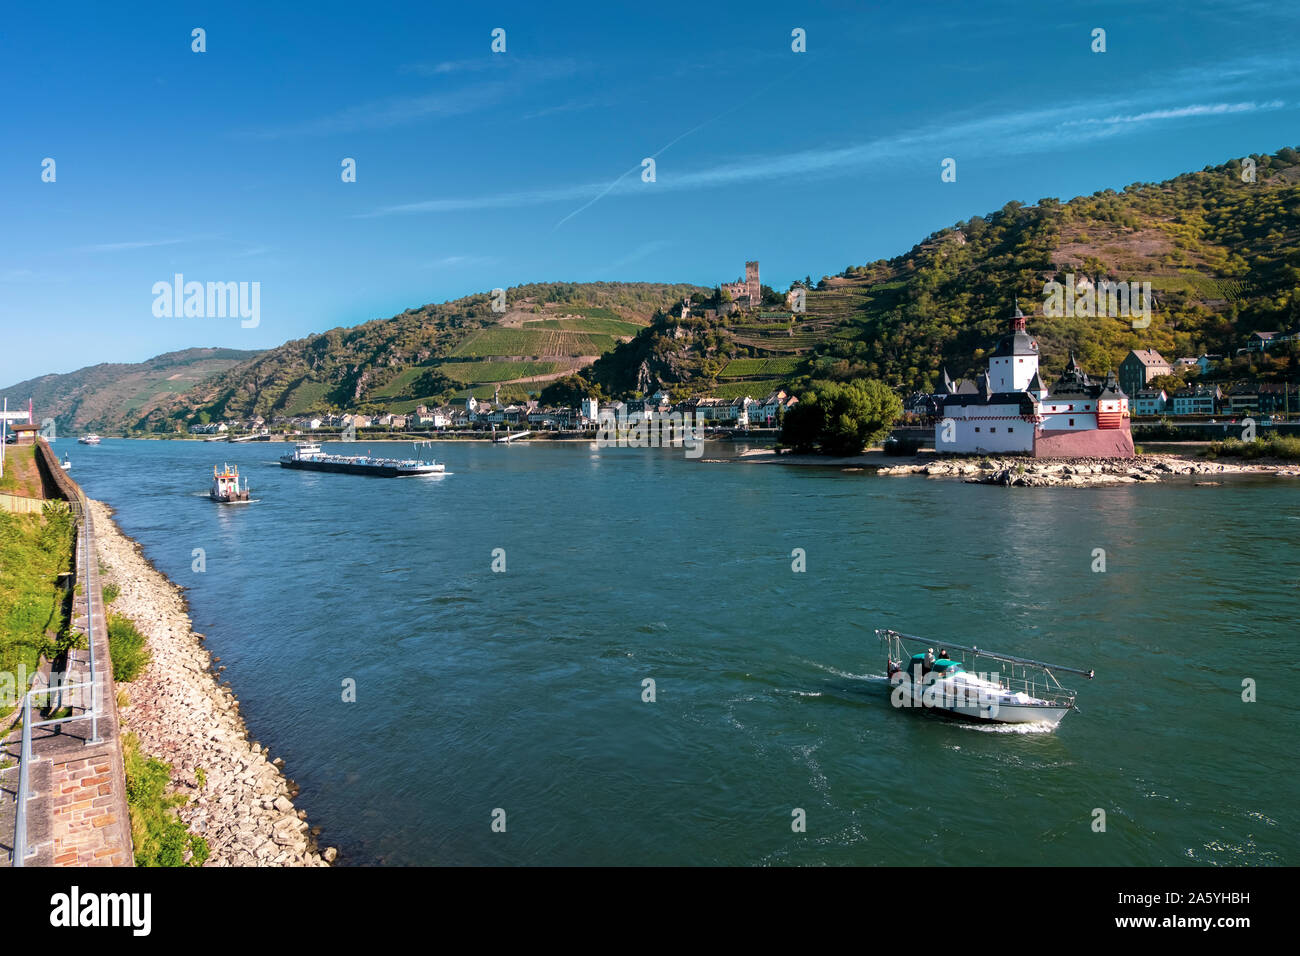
(1000, 430)
(1012, 373)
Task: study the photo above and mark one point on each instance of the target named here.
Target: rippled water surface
(522, 690)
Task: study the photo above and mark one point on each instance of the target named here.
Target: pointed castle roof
(1018, 341)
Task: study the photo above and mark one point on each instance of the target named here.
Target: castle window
(977, 428)
(1071, 422)
(993, 429)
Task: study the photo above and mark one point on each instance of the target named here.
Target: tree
(1169, 383)
(841, 419)
(569, 391)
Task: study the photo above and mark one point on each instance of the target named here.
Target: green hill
(1222, 256)
(431, 354)
(111, 396)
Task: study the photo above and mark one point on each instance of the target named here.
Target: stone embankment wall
(238, 797)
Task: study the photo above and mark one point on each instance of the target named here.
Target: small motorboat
(66, 464)
(225, 486)
(922, 680)
(91, 439)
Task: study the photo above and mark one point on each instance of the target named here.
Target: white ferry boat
(225, 486)
(91, 439)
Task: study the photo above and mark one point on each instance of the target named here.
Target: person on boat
(929, 660)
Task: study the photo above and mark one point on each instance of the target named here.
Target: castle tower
(1014, 363)
(752, 285)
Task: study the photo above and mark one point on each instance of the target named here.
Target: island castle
(1010, 410)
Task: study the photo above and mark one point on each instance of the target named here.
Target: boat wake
(983, 728)
(845, 674)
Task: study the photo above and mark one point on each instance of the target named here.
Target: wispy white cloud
(475, 65)
(997, 134)
(126, 246)
(453, 262)
(1181, 112)
(534, 68)
(509, 76)
(642, 251)
(393, 111)
(500, 201)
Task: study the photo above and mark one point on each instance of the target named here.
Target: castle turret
(1014, 362)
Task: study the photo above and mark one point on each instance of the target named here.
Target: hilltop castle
(1011, 411)
(747, 293)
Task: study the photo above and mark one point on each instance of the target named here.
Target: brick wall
(87, 813)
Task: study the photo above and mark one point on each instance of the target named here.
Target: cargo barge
(307, 456)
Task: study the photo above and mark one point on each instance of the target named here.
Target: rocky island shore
(238, 798)
(1082, 472)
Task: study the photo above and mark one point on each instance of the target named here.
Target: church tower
(1014, 363)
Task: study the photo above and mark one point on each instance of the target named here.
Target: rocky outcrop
(1081, 472)
(239, 800)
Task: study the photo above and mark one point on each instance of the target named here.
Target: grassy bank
(126, 648)
(34, 551)
(21, 476)
(159, 835)
(1284, 448)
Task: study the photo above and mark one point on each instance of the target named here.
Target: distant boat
(91, 439)
(66, 464)
(307, 456)
(225, 486)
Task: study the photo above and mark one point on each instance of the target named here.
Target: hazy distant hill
(108, 397)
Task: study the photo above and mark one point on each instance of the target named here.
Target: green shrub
(126, 646)
(111, 591)
(1284, 447)
(160, 836)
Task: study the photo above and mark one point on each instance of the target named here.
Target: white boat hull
(973, 702)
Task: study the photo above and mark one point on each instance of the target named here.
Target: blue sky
(477, 169)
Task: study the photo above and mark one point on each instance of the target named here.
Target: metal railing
(25, 792)
(21, 852)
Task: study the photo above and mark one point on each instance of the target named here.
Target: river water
(522, 690)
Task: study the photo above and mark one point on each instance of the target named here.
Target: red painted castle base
(1094, 443)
